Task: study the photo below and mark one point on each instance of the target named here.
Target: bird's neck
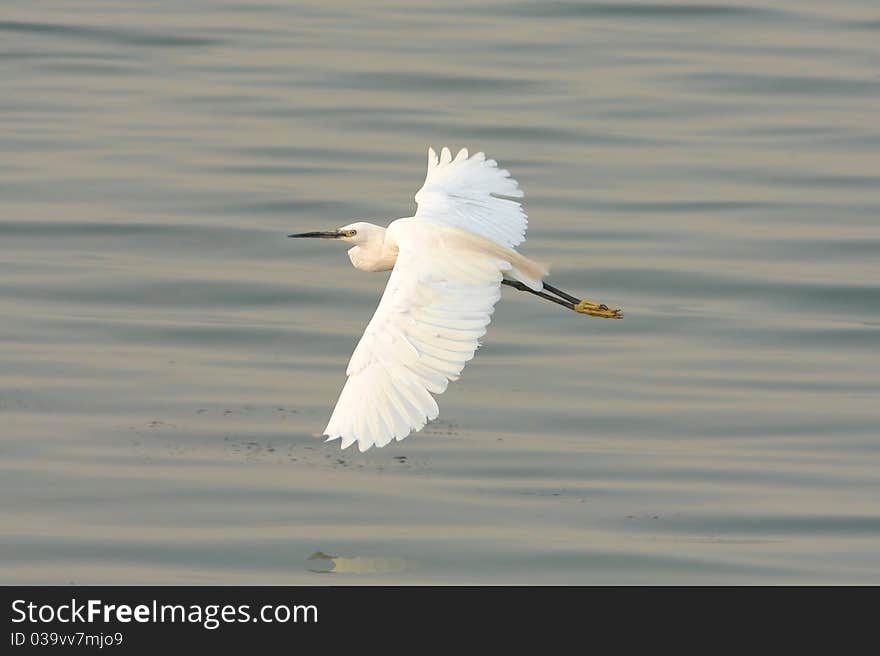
(374, 255)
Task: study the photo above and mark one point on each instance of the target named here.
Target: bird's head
(354, 233)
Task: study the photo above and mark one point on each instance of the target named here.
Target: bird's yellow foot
(598, 310)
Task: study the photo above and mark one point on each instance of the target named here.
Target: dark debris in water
(294, 449)
(441, 427)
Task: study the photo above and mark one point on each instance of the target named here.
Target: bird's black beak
(327, 234)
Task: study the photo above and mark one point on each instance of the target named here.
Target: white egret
(448, 263)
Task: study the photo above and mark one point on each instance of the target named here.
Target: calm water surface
(167, 356)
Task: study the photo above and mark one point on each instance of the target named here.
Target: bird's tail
(529, 272)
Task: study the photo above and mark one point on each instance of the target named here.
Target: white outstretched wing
(437, 304)
(462, 192)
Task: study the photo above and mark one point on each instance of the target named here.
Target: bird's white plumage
(462, 192)
(436, 306)
(451, 257)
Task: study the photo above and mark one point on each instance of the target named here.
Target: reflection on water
(321, 563)
(167, 357)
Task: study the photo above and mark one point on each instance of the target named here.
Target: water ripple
(114, 36)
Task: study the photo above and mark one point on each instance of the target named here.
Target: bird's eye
(352, 233)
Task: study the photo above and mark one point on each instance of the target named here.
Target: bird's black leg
(516, 284)
(561, 294)
(582, 306)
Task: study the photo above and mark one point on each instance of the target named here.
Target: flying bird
(447, 264)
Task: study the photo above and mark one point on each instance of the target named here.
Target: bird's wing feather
(438, 301)
(463, 192)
